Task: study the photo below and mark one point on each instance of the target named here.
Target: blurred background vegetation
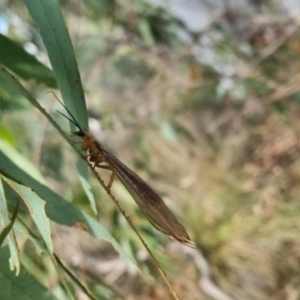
(201, 99)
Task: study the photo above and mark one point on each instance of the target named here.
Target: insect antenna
(71, 118)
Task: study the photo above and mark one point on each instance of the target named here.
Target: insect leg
(113, 175)
(94, 158)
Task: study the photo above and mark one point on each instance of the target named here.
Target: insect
(147, 199)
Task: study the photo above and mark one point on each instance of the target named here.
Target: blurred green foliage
(218, 139)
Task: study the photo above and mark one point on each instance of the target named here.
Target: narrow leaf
(22, 161)
(12, 243)
(39, 245)
(48, 17)
(56, 38)
(25, 65)
(57, 209)
(36, 208)
(9, 227)
(24, 286)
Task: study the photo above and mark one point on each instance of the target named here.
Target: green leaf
(9, 227)
(58, 43)
(87, 187)
(21, 161)
(10, 98)
(6, 136)
(24, 286)
(25, 65)
(36, 208)
(57, 209)
(12, 243)
(54, 33)
(39, 245)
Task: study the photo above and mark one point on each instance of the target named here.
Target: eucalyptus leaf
(57, 41)
(25, 65)
(21, 161)
(57, 209)
(14, 259)
(36, 208)
(9, 227)
(24, 286)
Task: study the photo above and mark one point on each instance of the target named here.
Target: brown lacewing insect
(147, 199)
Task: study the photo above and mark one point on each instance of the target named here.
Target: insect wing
(149, 201)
